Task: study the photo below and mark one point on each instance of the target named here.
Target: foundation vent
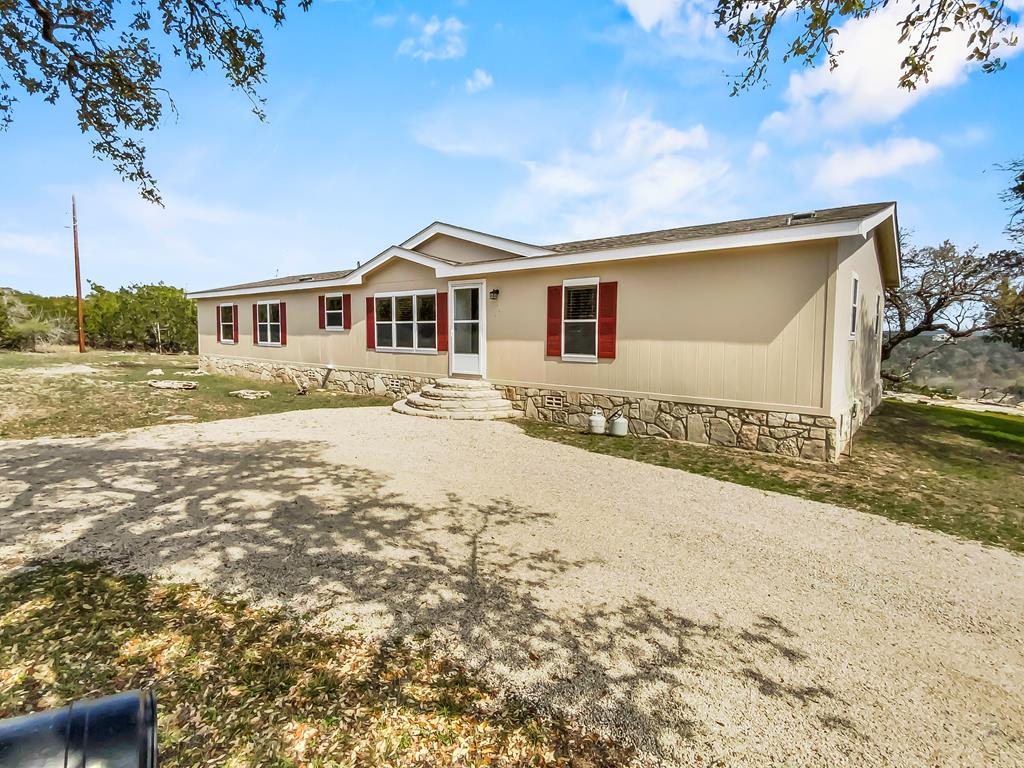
(393, 384)
(554, 401)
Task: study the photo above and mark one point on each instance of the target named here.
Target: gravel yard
(702, 621)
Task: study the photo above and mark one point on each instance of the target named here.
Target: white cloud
(480, 81)
(673, 29)
(759, 151)
(20, 244)
(437, 40)
(848, 165)
(385, 20)
(650, 13)
(864, 88)
(634, 173)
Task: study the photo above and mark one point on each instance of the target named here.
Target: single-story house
(759, 333)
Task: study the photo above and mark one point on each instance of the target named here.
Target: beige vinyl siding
(308, 344)
(740, 327)
(857, 364)
(460, 251)
(735, 326)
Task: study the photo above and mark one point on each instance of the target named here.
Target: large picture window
(579, 319)
(226, 321)
(268, 322)
(406, 322)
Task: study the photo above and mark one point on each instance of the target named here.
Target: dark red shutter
(442, 322)
(284, 326)
(371, 329)
(323, 311)
(234, 323)
(607, 317)
(346, 311)
(255, 326)
(554, 348)
(219, 339)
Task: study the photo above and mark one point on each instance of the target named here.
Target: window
(268, 322)
(334, 312)
(579, 319)
(406, 321)
(226, 322)
(854, 306)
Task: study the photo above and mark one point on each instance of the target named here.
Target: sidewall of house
(856, 371)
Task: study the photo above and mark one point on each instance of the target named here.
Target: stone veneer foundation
(788, 434)
(780, 432)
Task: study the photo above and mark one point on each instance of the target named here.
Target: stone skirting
(390, 385)
(788, 434)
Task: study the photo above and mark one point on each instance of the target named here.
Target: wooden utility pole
(78, 277)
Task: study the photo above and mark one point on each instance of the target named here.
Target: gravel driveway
(702, 621)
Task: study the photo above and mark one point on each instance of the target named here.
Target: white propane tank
(618, 426)
(597, 422)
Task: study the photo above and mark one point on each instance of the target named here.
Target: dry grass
(238, 686)
(949, 470)
(40, 396)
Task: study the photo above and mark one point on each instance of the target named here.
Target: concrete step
(467, 415)
(416, 400)
(463, 384)
(438, 393)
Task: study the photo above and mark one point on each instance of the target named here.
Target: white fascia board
(355, 277)
(868, 224)
(296, 286)
(714, 243)
(471, 235)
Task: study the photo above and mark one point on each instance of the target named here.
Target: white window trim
(267, 343)
(414, 350)
(327, 326)
(482, 285)
(854, 317)
(577, 281)
(220, 324)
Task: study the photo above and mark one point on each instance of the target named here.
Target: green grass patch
(238, 686)
(39, 400)
(950, 470)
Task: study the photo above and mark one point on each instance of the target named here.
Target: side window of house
(854, 305)
(226, 318)
(878, 314)
(579, 319)
(268, 323)
(334, 312)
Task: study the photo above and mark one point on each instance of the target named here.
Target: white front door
(467, 311)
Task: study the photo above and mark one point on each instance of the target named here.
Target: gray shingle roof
(822, 216)
(313, 277)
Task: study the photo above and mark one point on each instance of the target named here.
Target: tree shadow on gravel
(277, 522)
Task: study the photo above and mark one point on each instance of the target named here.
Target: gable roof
(847, 221)
(790, 221)
(512, 247)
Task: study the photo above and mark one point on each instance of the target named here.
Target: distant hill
(967, 367)
(48, 306)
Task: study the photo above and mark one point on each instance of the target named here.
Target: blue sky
(536, 120)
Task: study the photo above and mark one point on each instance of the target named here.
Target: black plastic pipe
(113, 732)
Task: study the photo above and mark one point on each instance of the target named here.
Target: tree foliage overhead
(127, 318)
(104, 55)
(959, 292)
(751, 25)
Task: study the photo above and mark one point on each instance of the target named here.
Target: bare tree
(959, 293)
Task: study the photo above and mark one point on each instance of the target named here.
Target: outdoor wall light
(494, 294)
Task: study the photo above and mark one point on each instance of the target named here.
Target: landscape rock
(250, 394)
(190, 373)
(155, 372)
(171, 384)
